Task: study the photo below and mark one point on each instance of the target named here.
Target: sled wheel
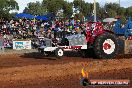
(105, 46)
(59, 52)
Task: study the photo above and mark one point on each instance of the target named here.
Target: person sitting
(49, 34)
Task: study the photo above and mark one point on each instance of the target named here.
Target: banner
(19, 45)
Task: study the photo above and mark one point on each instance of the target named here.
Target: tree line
(66, 9)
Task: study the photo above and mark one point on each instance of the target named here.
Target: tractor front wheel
(105, 46)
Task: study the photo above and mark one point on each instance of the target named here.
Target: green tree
(6, 6)
(35, 8)
(53, 5)
(112, 9)
(67, 9)
(129, 11)
(79, 5)
(83, 7)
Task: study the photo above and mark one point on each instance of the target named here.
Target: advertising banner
(19, 45)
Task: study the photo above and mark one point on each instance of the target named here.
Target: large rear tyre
(105, 46)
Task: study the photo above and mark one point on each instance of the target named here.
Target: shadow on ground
(37, 55)
(52, 56)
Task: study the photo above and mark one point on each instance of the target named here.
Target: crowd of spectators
(28, 29)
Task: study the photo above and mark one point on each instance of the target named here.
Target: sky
(23, 3)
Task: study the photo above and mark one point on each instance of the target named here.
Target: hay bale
(128, 47)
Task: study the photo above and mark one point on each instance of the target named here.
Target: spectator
(1, 43)
(49, 34)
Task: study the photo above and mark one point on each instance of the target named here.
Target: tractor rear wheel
(105, 46)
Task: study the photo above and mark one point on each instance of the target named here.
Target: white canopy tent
(109, 20)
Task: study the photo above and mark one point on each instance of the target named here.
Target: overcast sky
(124, 3)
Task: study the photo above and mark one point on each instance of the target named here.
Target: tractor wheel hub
(108, 46)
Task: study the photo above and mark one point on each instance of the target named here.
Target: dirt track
(31, 70)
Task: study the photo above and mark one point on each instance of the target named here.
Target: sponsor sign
(19, 45)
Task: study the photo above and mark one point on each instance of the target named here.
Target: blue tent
(50, 15)
(20, 15)
(44, 18)
(29, 16)
(23, 15)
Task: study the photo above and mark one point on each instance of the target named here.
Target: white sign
(19, 45)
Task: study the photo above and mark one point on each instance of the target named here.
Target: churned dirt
(32, 70)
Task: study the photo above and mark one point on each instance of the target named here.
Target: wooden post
(95, 18)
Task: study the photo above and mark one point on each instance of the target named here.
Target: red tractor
(103, 42)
